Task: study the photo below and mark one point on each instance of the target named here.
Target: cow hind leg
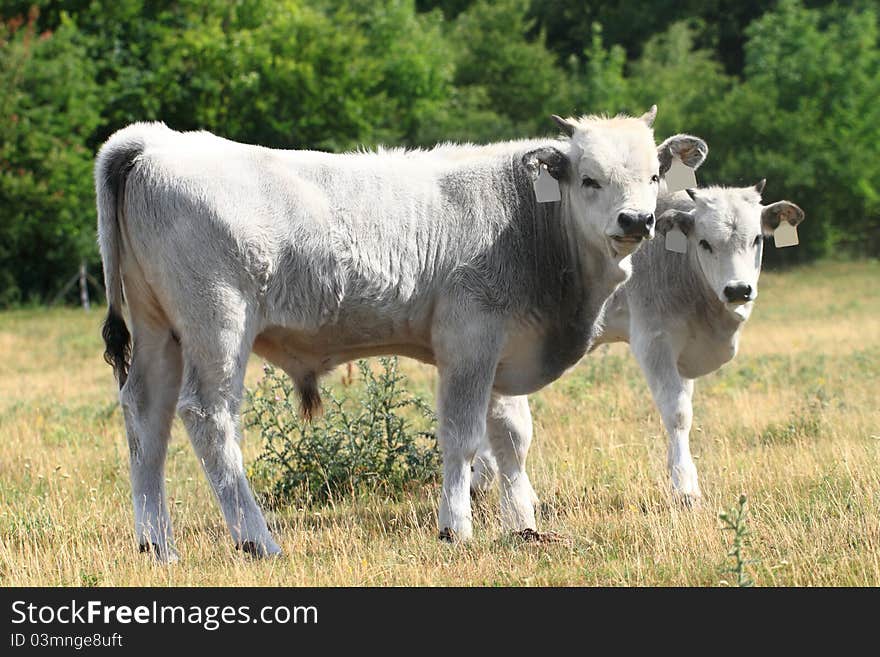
(148, 400)
(213, 378)
(509, 432)
(484, 470)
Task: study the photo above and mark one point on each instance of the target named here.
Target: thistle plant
(376, 437)
(734, 521)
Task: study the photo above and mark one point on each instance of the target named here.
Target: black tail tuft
(117, 343)
(310, 399)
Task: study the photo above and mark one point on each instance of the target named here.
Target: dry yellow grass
(793, 422)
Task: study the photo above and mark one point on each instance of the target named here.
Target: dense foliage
(781, 90)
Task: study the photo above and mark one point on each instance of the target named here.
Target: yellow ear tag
(679, 177)
(676, 240)
(785, 235)
(546, 187)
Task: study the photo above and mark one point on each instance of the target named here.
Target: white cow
(312, 259)
(682, 313)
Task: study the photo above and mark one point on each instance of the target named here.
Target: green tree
(49, 105)
(784, 90)
(681, 79)
(806, 117)
(412, 68)
(292, 74)
(507, 84)
(597, 84)
(568, 24)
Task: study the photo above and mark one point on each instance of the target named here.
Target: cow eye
(706, 246)
(589, 182)
(655, 178)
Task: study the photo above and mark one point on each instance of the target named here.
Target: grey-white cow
(682, 313)
(312, 259)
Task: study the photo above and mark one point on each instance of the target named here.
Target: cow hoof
(691, 501)
(258, 550)
(163, 555)
(447, 535)
(534, 536)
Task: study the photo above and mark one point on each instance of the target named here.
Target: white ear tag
(546, 187)
(676, 240)
(679, 177)
(785, 235)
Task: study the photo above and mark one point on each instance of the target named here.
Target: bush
(378, 439)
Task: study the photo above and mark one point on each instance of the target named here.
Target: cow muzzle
(636, 225)
(737, 292)
(631, 228)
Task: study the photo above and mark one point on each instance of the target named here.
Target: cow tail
(112, 165)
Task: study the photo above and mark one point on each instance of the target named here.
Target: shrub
(377, 438)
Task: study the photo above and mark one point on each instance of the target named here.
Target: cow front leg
(462, 402)
(673, 395)
(677, 412)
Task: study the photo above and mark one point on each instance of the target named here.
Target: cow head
(726, 230)
(609, 172)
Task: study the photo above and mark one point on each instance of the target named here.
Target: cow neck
(586, 277)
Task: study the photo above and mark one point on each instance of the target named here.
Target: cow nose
(738, 292)
(636, 225)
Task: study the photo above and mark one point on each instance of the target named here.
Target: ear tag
(546, 187)
(679, 177)
(676, 240)
(785, 235)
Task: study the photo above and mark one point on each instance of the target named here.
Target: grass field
(793, 422)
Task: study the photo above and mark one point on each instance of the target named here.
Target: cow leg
(462, 401)
(213, 378)
(673, 396)
(147, 400)
(484, 469)
(509, 431)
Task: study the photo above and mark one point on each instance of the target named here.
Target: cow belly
(301, 353)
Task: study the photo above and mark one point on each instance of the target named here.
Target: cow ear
(673, 218)
(554, 159)
(649, 116)
(775, 213)
(759, 186)
(689, 149)
(567, 127)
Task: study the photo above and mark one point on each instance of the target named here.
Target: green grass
(793, 422)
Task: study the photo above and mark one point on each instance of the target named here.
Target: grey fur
(673, 312)
(313, 259)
